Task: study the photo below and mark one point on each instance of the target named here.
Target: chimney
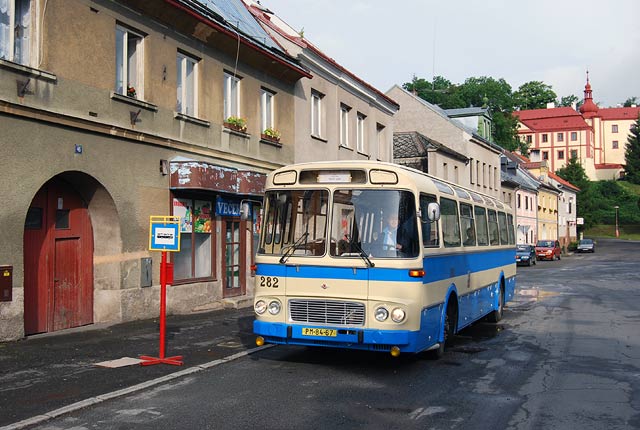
(551, 105)
(574, 106)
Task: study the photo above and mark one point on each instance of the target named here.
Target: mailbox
(6, 283)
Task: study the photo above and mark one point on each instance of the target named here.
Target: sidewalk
(46, 372)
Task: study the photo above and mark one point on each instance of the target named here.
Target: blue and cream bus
(377, 256)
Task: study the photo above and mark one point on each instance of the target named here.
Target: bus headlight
(274, 307)
(382, 314)
(398, 315)
(260, 306)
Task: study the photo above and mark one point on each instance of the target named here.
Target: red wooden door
(234, 263)
(58, 260)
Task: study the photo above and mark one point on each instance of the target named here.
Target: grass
(627, 232)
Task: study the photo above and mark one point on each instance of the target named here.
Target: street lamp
(617, 231)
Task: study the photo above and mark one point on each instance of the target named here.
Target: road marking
(38, 419)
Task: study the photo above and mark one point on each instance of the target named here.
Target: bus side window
(430, 236)
(450, 222)
(502, 223)
(481, 225)
(494, 237)
(467, 224)
(512, 237)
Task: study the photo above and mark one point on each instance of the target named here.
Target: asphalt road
(566, 356)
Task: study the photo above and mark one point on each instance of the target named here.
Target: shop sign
(226, 207)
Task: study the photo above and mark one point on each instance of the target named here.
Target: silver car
(586, 245)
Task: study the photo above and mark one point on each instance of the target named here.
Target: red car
(548, 250)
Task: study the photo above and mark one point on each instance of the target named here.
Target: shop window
(195, 259)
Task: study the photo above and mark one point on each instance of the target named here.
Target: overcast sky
(386, 42)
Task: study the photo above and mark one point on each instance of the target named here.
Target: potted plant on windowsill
(131, 92)
(236, 123)
(271, 134)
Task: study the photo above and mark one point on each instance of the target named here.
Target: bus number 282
(269, 282)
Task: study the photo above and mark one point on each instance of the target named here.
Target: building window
(456, 178)
(267, 120)
(316, 113)
(17, 26)
(344, 125)
(529, 138)
(382, 153)
(478, 172)
(129, 62)
(614, 144)
(231, 96)
(196, 257)
(518, 200)
(574, 153)
(614, 128)
(471, 170)
(360, 133)
(526, 203)
(186, 83)
(484, 175)
(560, 155)
(445, 170)
(545, 138)
(560, 137)
(545, 155)
(574, 136)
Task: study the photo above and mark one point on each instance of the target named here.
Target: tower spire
(588, 108)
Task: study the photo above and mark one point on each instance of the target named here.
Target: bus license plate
(325, 332)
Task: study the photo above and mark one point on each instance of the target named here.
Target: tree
(568, 101)
(574, 173)
(631, 101)
(439, 92)
(533, 95)
(632, 154)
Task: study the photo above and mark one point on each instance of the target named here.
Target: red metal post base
(175, 360)
(150, 361)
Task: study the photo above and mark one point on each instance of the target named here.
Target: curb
(38, 419)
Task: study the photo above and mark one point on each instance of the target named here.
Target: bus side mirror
(433, 212)
(245, 211)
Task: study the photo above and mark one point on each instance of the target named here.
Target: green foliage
(440, 92)
(533, 95)
(632, 155)
(574, 173)
(631, 101)
(568, 101)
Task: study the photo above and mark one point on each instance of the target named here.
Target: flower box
(236, 127)
(270, 138)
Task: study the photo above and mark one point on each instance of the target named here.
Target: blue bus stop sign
(164, 233)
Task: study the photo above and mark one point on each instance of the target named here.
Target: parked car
(586, 245)
(548, 250)
(525, 255)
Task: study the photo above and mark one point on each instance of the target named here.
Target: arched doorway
(58, 260)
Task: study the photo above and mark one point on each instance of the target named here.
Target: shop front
(217, 244)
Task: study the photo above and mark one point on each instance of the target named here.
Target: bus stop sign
(164, 233)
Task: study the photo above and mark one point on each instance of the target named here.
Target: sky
(387, 42)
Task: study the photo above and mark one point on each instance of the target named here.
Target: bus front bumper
(339, 337)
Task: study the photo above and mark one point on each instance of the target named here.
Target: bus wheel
(496, 315)
(449, 321)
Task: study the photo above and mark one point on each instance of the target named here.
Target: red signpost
(160, 237)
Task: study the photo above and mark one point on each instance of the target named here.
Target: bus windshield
(295, 222)
(380, 223)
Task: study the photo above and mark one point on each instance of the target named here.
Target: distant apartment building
(455, 152)
(338, 116)
(596, 136)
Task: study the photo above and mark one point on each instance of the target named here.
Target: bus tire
(496, 315)
(449, 330)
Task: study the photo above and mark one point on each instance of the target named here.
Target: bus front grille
(327, 312)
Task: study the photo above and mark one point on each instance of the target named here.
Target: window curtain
(23, 32)
(4, 29)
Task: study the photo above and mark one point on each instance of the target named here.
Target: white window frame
(130, 77)
(187, 88)
(231, 95)
(8, 41)
(267, 110)
(316, 113)
(344, 125)
(360, 133)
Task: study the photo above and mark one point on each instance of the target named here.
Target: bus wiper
(361, 253)
(292, 248)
